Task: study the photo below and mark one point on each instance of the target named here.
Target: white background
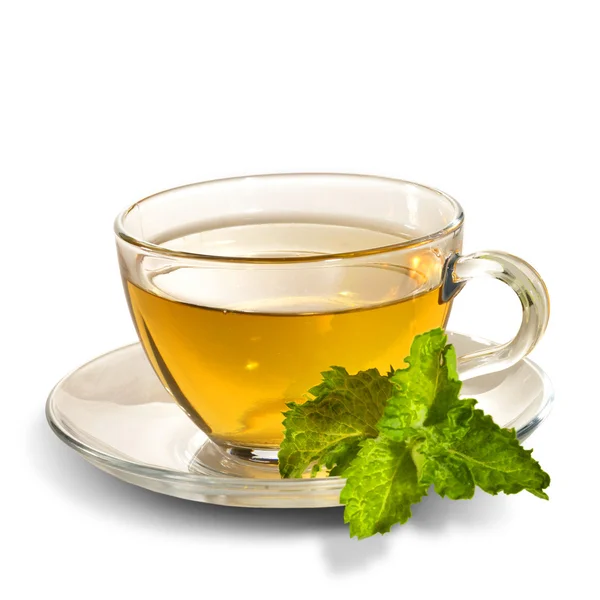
(104, 102)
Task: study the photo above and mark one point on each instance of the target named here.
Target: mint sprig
(394, 436)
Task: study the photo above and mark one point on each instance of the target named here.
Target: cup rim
(122, 233)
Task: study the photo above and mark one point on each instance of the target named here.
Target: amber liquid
(233, 371)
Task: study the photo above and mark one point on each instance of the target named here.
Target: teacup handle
(529, 287)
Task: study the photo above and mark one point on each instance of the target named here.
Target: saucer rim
(328, 484)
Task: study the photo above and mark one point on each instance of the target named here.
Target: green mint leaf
(381, 485)
(327, 431)
(469, 450)
(447, 390)
(424, 391)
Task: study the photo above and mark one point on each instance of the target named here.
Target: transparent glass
(243, 290)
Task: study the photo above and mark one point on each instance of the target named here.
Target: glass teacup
(244, 290)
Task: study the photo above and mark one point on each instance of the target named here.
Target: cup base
(254, 455)
(235, 461)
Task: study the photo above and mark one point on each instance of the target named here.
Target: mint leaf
(447, 389)
(381, 485)
(426, 389)
(327, 431)
(470, 450)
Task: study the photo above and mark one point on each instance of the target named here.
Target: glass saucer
(114, 411)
